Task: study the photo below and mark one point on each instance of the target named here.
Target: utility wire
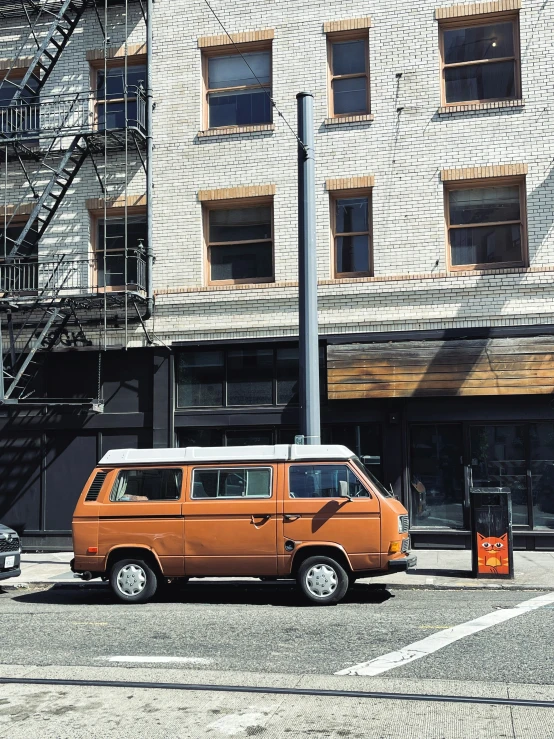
(263, 87)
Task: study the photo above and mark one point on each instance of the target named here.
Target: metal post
(1, 366)
(310, 424)
(149, 162)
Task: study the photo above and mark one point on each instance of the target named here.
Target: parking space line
(441, 639)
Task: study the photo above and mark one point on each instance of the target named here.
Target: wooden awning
(430, 368)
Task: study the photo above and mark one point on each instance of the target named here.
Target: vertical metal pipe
(310, 423)
(149, 160)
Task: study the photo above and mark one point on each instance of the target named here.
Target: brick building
(435, 247)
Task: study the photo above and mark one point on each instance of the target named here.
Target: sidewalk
(435, 569)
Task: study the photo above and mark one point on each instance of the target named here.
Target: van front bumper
(401, 565)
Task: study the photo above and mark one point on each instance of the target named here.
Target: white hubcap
(321, 580)
(131, 579)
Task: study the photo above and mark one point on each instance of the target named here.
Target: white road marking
(441, 639)
(237, 723)
(141, 658)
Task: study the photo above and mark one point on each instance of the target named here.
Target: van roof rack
(185, 455)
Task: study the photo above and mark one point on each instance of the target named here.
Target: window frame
(334, 196)
(332, 38)
(231, 467)
(95, 217)
(233, 50)
(234, 204)
(487, 182)
(135, 60)
(121, 470)
(481, 20)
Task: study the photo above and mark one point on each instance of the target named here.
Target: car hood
(5, 530)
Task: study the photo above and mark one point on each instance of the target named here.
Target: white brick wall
(404, 149)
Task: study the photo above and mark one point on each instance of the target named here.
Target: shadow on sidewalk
(441, 573)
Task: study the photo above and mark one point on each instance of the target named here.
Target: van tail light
(92, 550)
(394, 547)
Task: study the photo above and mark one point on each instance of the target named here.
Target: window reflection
(541, 442)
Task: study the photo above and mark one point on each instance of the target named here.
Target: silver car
(10, 553)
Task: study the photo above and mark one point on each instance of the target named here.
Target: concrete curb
(385, 585)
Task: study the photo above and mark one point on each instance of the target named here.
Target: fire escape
(43, 296)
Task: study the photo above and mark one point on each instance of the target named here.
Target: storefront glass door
(541, 447)
(499, 459)
(437, 476)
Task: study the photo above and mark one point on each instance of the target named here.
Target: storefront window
(541, 443)
(498, 459)
(436, 476)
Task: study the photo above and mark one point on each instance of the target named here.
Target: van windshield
(379, 485)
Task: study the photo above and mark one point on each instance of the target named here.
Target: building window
(348, 59)
(21, 119)
(240, 243)
(119, 248)
(120, 95)
(351, 217)
(480, 61)
(9, 235)
(249, 376)
(486, 224)
(238, 88)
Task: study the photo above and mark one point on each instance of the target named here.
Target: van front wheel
(322, 580)
(133, 580)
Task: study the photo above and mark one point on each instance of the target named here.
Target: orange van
(313, 513)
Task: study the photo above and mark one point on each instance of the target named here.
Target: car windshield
(379, 485)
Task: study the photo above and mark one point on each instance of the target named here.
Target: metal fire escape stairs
(21, 367)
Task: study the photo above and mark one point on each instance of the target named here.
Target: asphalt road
(265, 634)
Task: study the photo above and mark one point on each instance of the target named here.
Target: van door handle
(263, 516)
(291, 517)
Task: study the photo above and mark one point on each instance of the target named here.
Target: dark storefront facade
(429, 449)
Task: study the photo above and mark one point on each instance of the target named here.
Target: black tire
(332, 585)
(134, 576)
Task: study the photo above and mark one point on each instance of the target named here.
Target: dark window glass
(498, 460)
(541, 437)
(29, 248)
(232, 483)
(199, 437)
(482, 244)
(248, 436)
(243, 107)
(244, 262)
(200, 379)
(478, 42)
(349, 57)
(287, 376)
(480, 82)
(486, 245)
(363, 439)
(352, 235)
(323, 481)
(350, 95)
(147, 484)
(111, 91)
(110, 250)
(250, 377)
(240, 224)
(436, 476)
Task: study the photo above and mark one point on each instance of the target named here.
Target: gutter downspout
(149, 158)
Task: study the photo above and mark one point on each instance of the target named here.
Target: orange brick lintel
(348, 24)
(20, 65)
(478, 173)
(22, 210)
(460, 11)
(350, 183)
(114, 52)
(244, 37)
(131, 201)
(232, 193)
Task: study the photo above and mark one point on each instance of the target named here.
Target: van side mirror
(343, 490)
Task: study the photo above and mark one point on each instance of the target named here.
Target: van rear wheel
(133, 580)
(322, 580)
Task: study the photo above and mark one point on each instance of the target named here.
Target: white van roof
(184, 455)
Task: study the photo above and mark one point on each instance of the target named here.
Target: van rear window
(147, 484)
(233, 482)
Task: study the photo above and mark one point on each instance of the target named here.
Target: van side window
(232, 483)
(323, 481)
(147, 484)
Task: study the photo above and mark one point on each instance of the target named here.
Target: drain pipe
(149, 158)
